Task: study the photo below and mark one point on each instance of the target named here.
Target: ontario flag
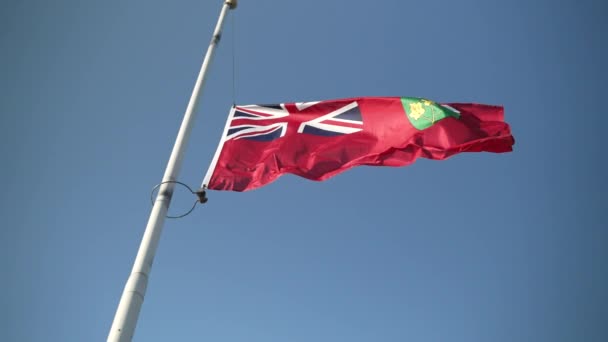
(317, 140)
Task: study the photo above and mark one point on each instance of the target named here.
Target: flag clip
(202, 196)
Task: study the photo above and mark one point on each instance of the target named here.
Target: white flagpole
(125, 320)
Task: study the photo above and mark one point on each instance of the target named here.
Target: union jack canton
(270, 122)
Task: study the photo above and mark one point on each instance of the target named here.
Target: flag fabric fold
(317, 140)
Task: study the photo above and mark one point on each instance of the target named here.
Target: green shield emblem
(424, 113)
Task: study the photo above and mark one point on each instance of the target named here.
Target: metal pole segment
(125, 320)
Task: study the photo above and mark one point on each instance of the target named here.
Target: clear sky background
(480, 247)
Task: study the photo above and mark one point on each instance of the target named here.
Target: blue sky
(480, 247)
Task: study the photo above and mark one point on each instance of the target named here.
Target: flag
(317, 140)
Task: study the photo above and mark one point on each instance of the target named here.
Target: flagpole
(125, 319)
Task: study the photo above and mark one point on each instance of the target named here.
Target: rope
(233, 19)
(199, 200)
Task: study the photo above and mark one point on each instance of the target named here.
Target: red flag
(318, 140)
